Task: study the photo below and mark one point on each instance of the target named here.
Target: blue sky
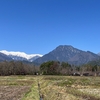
(39, 26)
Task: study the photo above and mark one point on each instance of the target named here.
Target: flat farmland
(49, 88)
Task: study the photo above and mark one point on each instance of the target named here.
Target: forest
(48, 68)
(17, 68)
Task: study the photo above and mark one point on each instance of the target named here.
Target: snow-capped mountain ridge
(20, 54)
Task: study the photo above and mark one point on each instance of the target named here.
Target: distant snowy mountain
(21, 55)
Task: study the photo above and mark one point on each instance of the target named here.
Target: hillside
(69, 54)
(4, 57)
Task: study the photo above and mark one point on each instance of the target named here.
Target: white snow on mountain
(20, 54)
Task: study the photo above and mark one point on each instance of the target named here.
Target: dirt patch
(12, 92)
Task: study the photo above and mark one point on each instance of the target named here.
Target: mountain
(69, 54)
(4, 57)
(98, 54)
(21, 55)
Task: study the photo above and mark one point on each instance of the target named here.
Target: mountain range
(21, 56)
(67, 53)
(62, 53)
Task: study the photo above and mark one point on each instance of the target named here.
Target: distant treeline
(64, 68)
(17, 68)
(47, 68)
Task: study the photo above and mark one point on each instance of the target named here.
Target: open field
(51, 87)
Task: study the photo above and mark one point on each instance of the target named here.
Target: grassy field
(51, 87)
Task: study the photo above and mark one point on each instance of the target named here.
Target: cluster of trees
(64, 68)
(46, 68)
(55, 67)
(89, 67)
(17, 68)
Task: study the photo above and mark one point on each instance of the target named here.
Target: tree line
(17, 68)
(46, 68)
(55, 68)
(64, 68)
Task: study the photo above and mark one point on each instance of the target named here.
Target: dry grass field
(51, 87)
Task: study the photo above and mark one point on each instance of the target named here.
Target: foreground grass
(15, 87)
(33, 93)
(69, 87)
(51, 87)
